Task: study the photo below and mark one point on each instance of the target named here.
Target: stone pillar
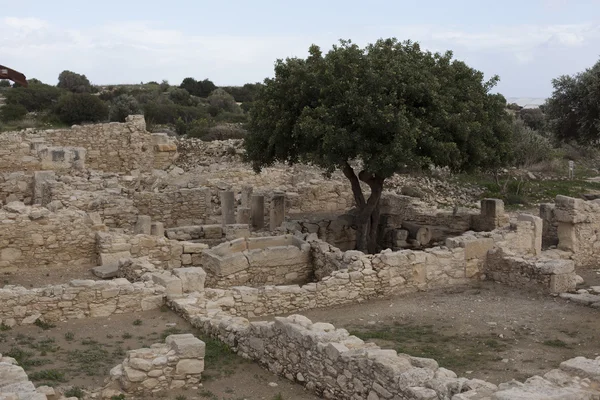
(143, 225)
(228, 207)
(246, 196)
(157, 229)
(257, 212)
(243, 215)
(277, 215)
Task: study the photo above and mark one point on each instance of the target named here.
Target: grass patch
(423, 341)
(48, 375)
(219, 358)
(137, 322)
(69, 336)
(26, 358)
(556, 343)
(4, 327)
(207, 394)
(94, 360)
(127, 335)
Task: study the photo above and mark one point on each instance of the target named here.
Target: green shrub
(37, 97)
(123, 106)
(529, 147)
(165, 113)
(12, 112)
(4, 83)
(76, 108)
(220, 100)
(200, 127)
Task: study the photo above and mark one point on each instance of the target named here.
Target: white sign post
(571, 169)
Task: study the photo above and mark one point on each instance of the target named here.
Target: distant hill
(526, 102)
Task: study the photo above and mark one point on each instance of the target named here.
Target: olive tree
(374, 111)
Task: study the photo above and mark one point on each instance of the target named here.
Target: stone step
(106, 271)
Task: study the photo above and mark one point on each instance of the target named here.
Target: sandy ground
(82, 352)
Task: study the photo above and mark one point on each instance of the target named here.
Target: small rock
(273, 384)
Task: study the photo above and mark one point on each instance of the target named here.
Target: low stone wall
(177, 363)
(271, 260)
(36, 238)
(335, 365)
(78, 299)
(107, 147)
(554, 276)
(578, 229)
(175, 208)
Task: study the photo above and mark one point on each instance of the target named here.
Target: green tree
(74, 82)
(533, 118)
(573, 110)
(4, 83)
(123, 106)
(75, 108)
(382, 109)
(198, 88)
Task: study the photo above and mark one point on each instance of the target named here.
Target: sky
(232, 42)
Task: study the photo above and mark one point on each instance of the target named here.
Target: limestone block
(186, 346)
(478, 248)
(113, 258)
(171, 283)
(192, 279)
(106, 271)
(212, 231)
(582, 367)
(143, 225)
(194, 248)
(157, 229)
(562, 283)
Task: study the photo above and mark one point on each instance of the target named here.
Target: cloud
(144, 50)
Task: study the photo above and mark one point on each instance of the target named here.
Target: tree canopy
(198, 88)
(74, 82)
(573, 110)
(388, 107)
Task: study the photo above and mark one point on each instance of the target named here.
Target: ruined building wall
(77, 299)
(175, 208)
(35, 238)
(578, 229)
(117, 147)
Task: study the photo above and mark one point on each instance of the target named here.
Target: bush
(180, 96)
(200, 127)
(4, 83)
(224, 132)
(37, 97)
(123, 106)
(529, 147)
(165, 113)
(12, 112)
(198, 88)
(76, 108)
(220, 100)
(74, 82)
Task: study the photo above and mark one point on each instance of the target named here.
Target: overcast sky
(526, 42)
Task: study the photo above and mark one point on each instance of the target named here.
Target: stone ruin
(140, 225)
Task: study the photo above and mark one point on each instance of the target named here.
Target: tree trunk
(367, 220)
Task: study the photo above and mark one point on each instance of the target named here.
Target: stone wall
(550, 225)
(117, 147)
(33, 238)
(578, 229)
(77, 299)
(272, 260)
(336, 365)
(177, 363)
(16, 186)
(175, 208)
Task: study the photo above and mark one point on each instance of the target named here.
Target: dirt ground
(38, 277)
(485, 330)
(80, 353)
